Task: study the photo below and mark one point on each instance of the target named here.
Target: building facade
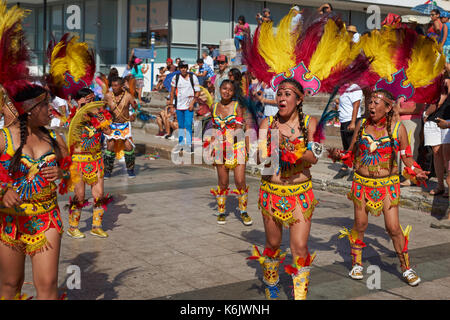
(182, 27)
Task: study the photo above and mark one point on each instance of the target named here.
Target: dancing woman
(376, 187)
(84, 140)
(228, 153)
(31, 160)
(286, 197)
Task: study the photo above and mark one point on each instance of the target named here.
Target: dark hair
(227, 81)
(116, 79)
(301, 116)
(436, 11)
(236, 74)
(30, 92)
(199, 60)
(112, 74)
(389, 117)
(241, 18)
(83, 92)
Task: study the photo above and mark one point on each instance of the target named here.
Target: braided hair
(28, 93)
(301, 116)
(389, 117)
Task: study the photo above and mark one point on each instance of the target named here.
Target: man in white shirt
(187, 91)
(349, 115)
(207, 59)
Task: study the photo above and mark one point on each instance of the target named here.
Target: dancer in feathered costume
(229, 149)
(72, 69)
(120, 140)
(30, 222)
(314, 59)
(406, 66)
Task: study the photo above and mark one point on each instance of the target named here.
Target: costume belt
(31, 208)
(376, 182)
(285, 191)
(86, 157)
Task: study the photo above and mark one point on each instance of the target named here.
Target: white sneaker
(356, 272)
(411, 277)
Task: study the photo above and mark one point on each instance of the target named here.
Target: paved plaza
(164, 243)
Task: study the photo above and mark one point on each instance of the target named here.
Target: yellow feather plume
(380, 44)
(74, 61)
(333, 51)
(8, 17)
(74, 134)
(425, 56)
(278, 50)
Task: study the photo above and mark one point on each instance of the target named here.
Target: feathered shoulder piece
(83, 117)
(14, 53)
(318, 54)
(405, 63)
(72, 66)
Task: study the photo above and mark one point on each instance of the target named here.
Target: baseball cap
(266, 10)
(352, 28)
(296, 8)
(169, 60)
(137, 60)
(222, 57)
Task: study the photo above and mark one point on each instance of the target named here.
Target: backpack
(177, 77)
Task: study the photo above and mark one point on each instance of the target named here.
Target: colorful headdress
(405, 63)
(320, 56)
(72, 66)
(14, 55)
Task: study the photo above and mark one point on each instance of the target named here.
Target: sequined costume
(23, 226)
(226, 151)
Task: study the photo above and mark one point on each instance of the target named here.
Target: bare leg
(45, 267)
(438, 161)
(12, 271)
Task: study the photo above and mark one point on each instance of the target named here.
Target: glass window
(91, 23)
(137, 36)
(216, 25)
(185, 21)
(188, 55)
(56, 21)
(107, 46)
(159, 21)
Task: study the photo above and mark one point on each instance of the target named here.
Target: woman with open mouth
(286, 197)
(376, 187)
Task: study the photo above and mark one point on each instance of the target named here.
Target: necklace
(292, 128)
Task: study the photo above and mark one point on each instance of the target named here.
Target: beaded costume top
(290, 152)
(28, 182)
(229, 122)
(375, 154)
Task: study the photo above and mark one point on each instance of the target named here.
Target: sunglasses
(222, 62)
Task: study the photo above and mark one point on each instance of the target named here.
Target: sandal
(436, 192)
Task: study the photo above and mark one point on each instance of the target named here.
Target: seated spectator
(214, 53)
(264, 17)
(170, 66)
(240, 31)
(297, 18)
(207, 59)
(353, 33)
(325, 8)
(204, 72)
(177, 62)
(267, 97)
(160, 79)
(167, 121)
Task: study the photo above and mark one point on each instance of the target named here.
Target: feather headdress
(405, 63)
(318, 54)
(72, 66)
(14, 54)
